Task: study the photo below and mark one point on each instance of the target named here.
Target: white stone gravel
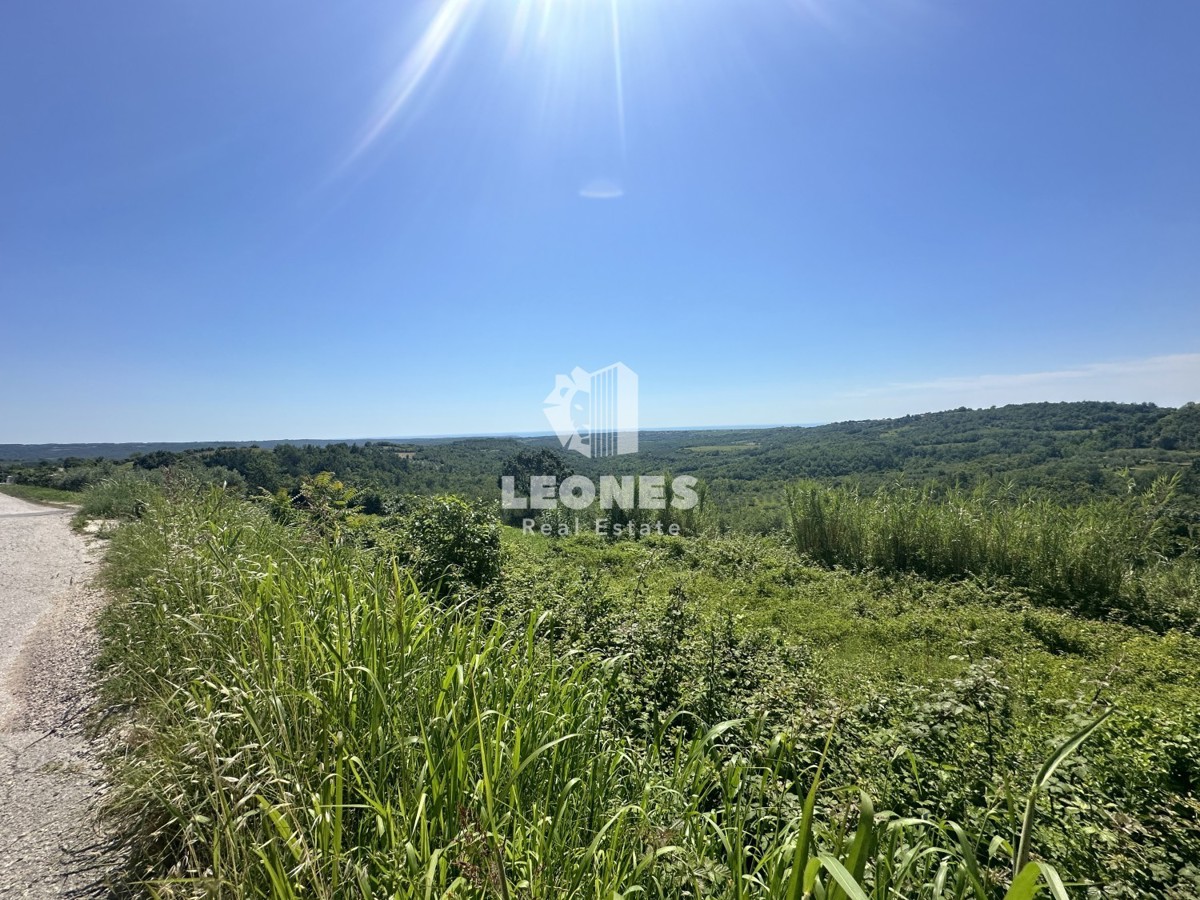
(50, 782)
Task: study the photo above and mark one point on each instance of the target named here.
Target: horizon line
(541, 434)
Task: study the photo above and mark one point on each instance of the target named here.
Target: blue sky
(289, 219)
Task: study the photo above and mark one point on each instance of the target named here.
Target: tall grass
(1087, 558)
(122, 496)
(301, 721)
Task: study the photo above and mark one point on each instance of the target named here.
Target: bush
(446, 542)
(79, 478)
(124, 496)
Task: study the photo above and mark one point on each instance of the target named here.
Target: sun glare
(549, 27)
(413, 70)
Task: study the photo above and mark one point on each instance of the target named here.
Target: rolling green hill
(1069, 451)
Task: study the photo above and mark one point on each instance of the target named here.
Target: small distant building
(11, 479)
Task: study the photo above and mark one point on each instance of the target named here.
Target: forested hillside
(1071, 451)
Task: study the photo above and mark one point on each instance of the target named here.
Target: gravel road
(50, 782)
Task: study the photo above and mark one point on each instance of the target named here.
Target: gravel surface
(50, 782)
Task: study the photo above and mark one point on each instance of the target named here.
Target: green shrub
(446, 542)
(78, 478)
(126, 495)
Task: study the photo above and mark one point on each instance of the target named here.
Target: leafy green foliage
(301, 721)
(446, 543)
(362, 686)
(1086, 558)
(947, 696)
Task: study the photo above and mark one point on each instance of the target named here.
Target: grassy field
(868, 629)
(308, 701)
(35, 494)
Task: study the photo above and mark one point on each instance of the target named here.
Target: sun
(556, 27)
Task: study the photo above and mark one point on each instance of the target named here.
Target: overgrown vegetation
(125, 495)
(943, 691)
(330, 675)
(314, 709)
(1102, 559)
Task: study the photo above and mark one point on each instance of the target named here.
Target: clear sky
(226, 220)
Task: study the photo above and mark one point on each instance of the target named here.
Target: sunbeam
(412, 72)
(571, 52)
(619, 75)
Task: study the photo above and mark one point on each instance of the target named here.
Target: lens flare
(602, 189)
